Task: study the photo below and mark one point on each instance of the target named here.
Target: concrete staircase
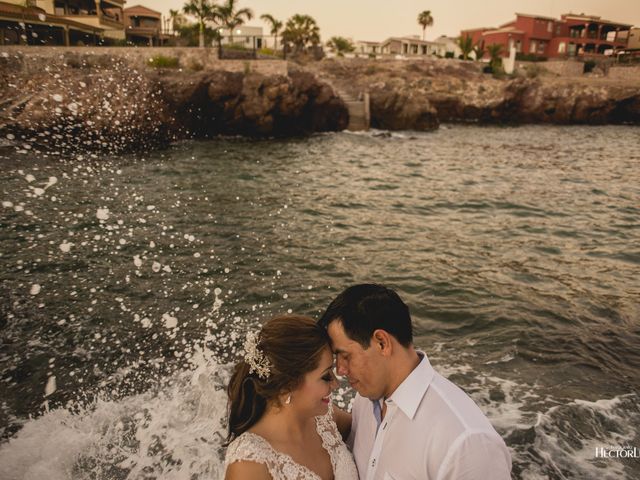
(359, 116)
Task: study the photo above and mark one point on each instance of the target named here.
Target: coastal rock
(80, 106)
(71, 110)
(417, 94)
(394, 109)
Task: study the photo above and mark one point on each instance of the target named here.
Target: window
(550, 27)
(541, 47)
(533, 46)
(562, 47)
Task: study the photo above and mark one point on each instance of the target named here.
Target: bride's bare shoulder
(246, 470)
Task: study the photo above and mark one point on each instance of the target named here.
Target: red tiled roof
(141, 10)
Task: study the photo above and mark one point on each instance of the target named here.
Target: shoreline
(110, 101)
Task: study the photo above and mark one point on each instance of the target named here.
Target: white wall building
(247, 36)
(449, 44)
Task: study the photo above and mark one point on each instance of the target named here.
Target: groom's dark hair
(365, 308)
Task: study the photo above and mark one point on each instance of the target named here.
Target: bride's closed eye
(328, 377)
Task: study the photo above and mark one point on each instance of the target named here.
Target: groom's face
(361, 366)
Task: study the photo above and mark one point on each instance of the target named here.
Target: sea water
(128, 283)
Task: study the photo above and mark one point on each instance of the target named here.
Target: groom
(408, 421)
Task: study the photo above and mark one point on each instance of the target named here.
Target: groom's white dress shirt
(431, 431)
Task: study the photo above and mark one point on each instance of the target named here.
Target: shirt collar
(410, 392)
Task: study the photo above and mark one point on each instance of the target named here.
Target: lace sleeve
(249, 448)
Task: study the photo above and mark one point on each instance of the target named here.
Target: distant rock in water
(106, 104)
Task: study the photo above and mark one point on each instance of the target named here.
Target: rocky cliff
(106, 103)
(419, 94)
(110, 103)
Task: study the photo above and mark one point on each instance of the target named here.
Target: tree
(466, 46)
(231, 17)
(479, 50)
(177, 20)
(276, 25)
(189, 33)
(300, 32)
(426, 20)
(495, 53)
(340, 45)
(203, 10)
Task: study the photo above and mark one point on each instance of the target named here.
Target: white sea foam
(176, 434)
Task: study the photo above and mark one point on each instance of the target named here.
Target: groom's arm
(343, 421)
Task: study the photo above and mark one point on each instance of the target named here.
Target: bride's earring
(288, 400)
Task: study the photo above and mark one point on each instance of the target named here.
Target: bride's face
(312, 397)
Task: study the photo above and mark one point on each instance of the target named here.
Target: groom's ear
(381, 340)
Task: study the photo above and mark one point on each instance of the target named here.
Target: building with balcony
(61, 22)
(105, 15)
(143, 26)
(570, 36)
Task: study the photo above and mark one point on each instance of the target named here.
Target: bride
(282, 425)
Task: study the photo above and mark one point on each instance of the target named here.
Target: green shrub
(449, 55)
(530, 57)
(160, 61)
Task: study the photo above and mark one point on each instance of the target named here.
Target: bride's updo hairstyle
(275, 362)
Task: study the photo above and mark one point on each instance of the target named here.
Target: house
(244, 35)
(367, 48)
(143, 26)
(540, 36)
(634, 39)
(409, 46)
(61, 22)
(448, 45)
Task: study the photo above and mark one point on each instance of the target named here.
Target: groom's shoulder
(455, 407)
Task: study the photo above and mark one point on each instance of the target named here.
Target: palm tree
(466, 46)
(340, 45)
(203, 10)
(276, 25)
(300, 31)
(479, 50)
(231, 18)
(495, 52)
(176, 19)
(426, 20)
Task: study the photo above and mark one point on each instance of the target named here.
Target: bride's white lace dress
(254, 448)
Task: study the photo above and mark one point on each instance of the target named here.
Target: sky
(376, 20)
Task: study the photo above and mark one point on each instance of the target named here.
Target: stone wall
(33, 58)
(562, 68)
(625, 73)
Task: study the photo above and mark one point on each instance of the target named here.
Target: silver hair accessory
(255, 358)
